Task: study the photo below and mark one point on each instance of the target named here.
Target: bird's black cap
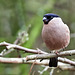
(48, 17)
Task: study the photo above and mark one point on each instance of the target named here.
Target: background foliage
(26, 15)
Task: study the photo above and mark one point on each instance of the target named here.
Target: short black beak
(45, 20)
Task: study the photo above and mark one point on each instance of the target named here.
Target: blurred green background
(17, 16)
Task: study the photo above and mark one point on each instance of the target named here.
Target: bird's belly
(56, 44)
(56, 40)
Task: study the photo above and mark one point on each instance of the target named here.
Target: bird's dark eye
(48, 17)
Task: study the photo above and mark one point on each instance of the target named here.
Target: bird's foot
(56, 52)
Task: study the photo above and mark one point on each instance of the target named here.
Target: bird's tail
(53, 62)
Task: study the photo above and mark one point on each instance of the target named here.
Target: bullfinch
(55, 34)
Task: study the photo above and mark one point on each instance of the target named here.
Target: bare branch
(9, 46)
(50, 55)
(65, 60)
(64, 66)
(22, 60)
(38, 54)
(37, 62)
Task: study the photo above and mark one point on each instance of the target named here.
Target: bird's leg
(56, 52)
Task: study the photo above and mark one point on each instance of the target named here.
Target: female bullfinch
(55, 34)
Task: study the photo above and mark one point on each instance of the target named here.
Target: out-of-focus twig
(45, 69)
(52, 70)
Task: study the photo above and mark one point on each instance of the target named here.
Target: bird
(55, 34)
